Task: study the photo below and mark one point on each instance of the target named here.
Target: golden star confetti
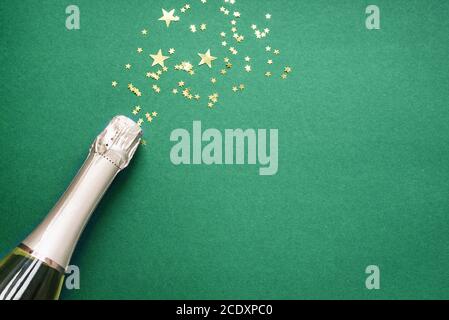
(206, 58)
(168, 17)
(158, 59)
(134, 90)
(230, 35)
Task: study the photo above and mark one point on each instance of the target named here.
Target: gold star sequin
(181, 84)
(213, 80)
(139, 50)
(203, 27)
(270, 61)
(171, 51)
(158, 59)
(206, 58)
(235, 88)
(248, 68)
(144, 32)
(114, 84)
(268, 74)
(175, 91)
(168, 17)
(127, 66)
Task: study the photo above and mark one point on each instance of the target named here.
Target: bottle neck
(54, 240)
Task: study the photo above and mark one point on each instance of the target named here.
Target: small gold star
(139, 50)
(206, 58)
(248, 68)
(171, 51)
(268, 74)
(154, 114)
(268, 16)
(168, 17)
(127, 66)
(247, 59)
(144, 32)
(114, 84)
(213, 80)
(175, 91)
(235, 89)
(242, 87)
(284, 76)
(181, 84)
(287, 70)
(270, 61)
(158, 59)
(203, 27)
(268, 48)
(223, 72)
(277, 52)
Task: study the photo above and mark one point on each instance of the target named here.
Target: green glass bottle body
(35, 269)
(24, 277)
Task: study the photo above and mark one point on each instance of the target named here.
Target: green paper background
(363, 148)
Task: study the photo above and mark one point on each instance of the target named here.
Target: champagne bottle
(35, 269)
